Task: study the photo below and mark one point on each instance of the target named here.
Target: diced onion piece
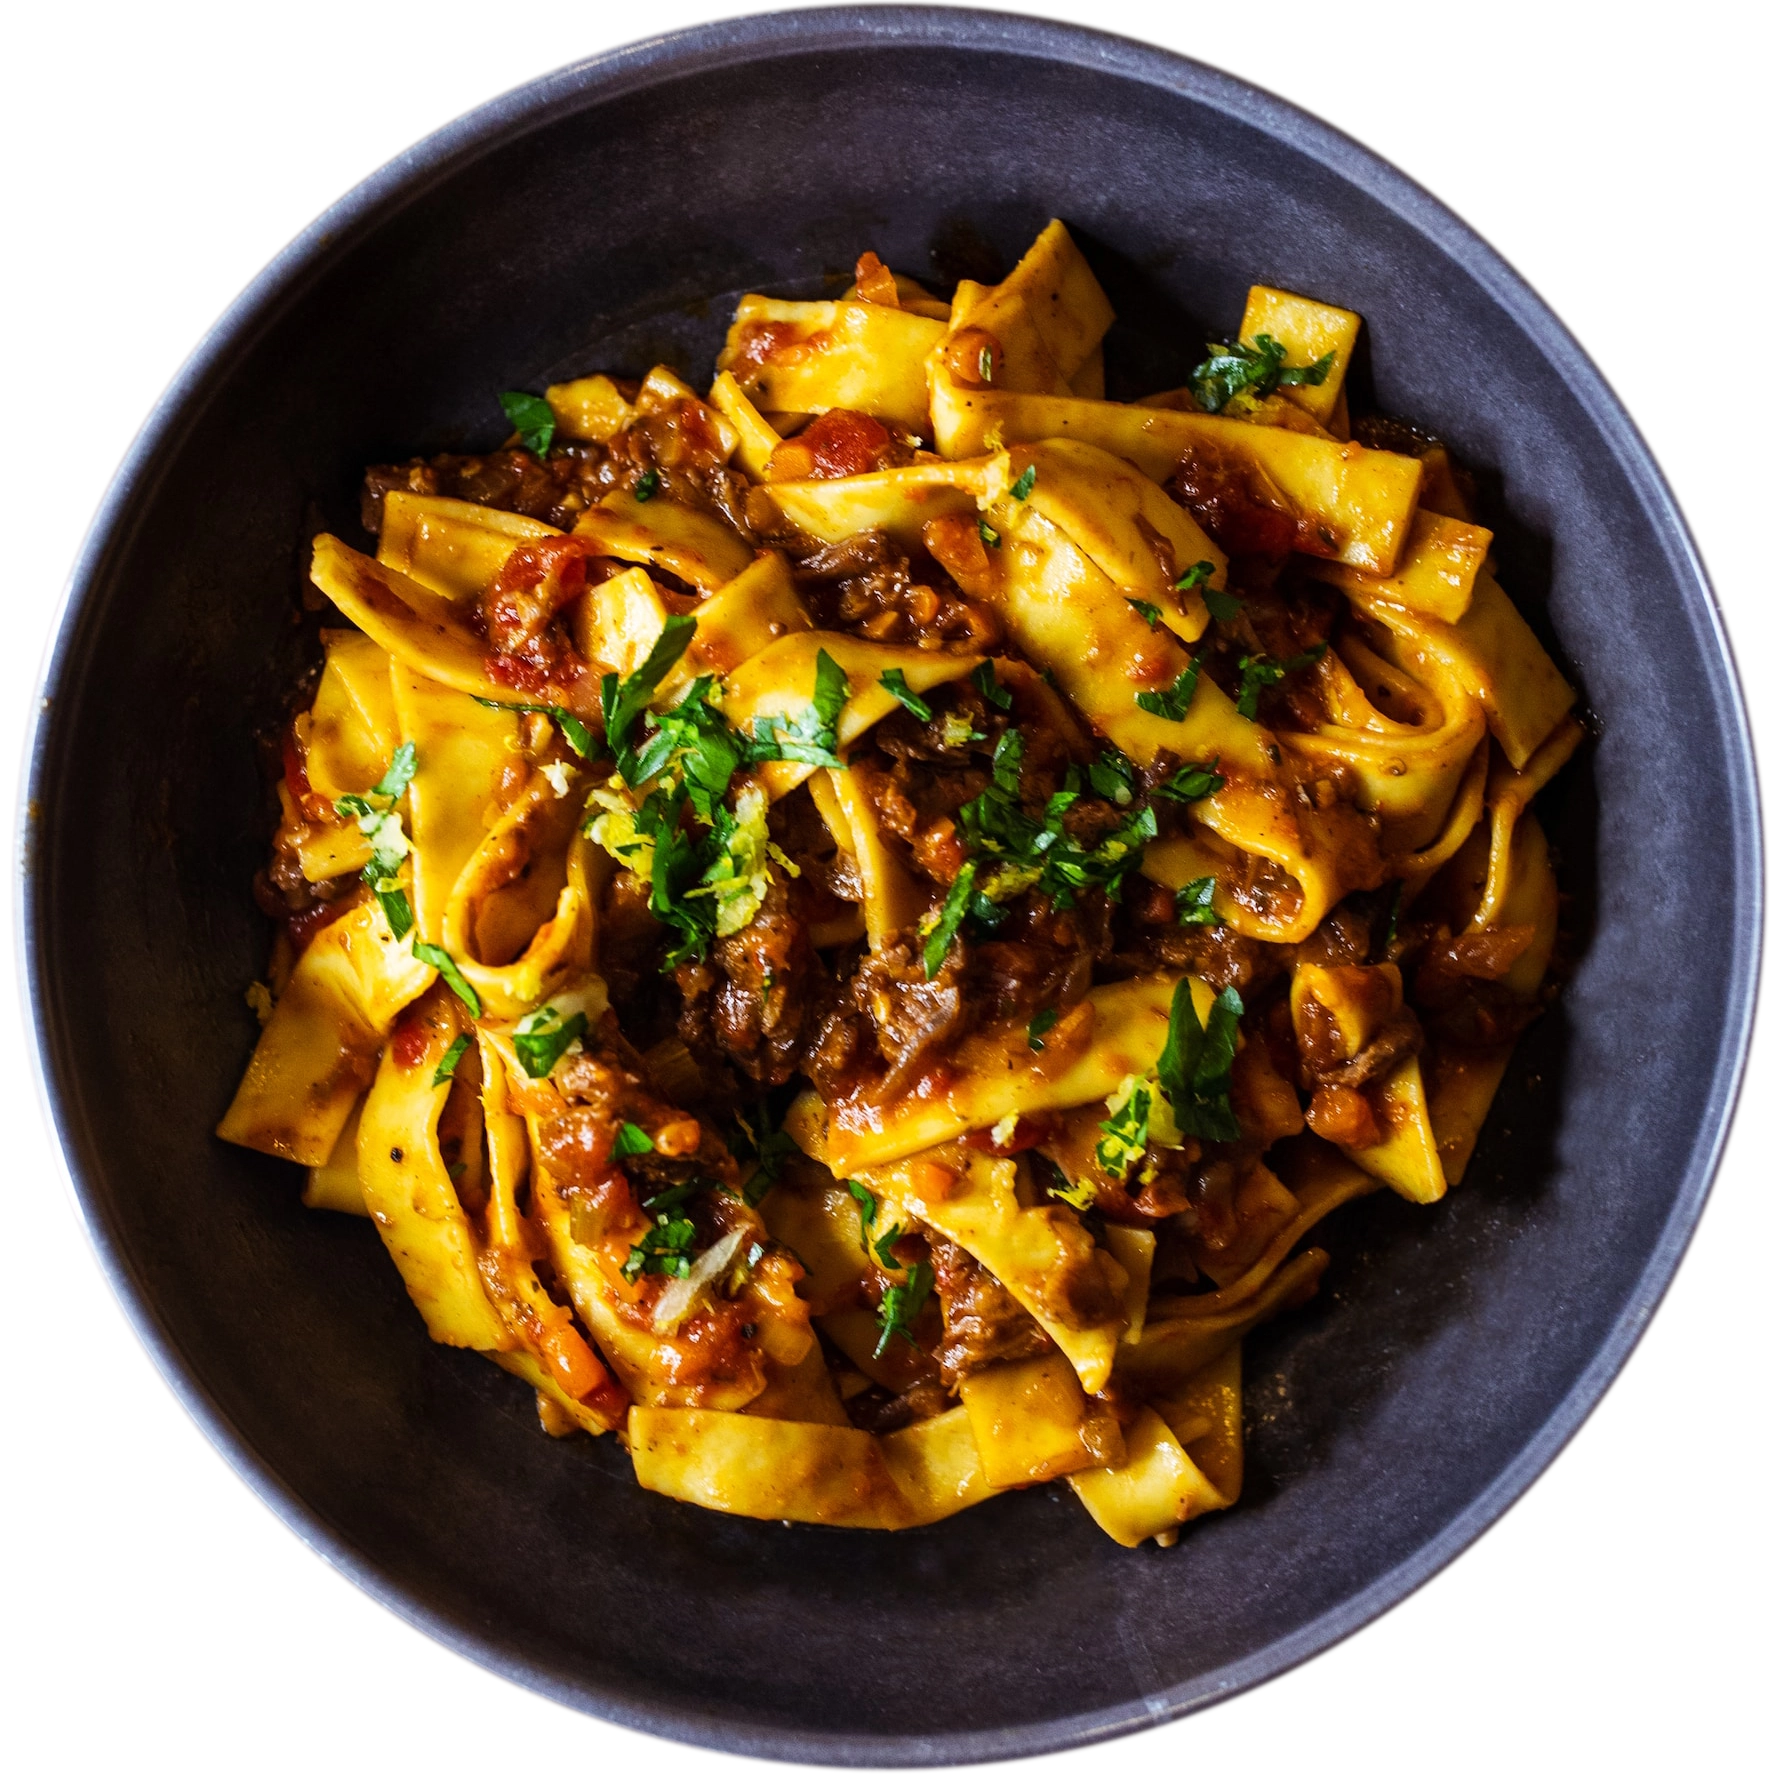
(681, 1297)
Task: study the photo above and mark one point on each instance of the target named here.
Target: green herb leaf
(1176, 700)
(1043, 1022)
(987, 533)
(574, 731)
(447, 1063)
(694, 740)
(984, 681)
(1193, 1068)
(867, 1206)
(901, 1306)
(950, 917)
(812, 735)
(667, 1247)
(984, 363)
(631, 1138)
(894, 681)
(1193, 903)
(377, 820)
(1257, 672)
(394, 782)
(1192, 783)
(1150, 614)
(397, 909)
(1247, 373)
(623, 701)
(1195, 576)
(1021, 489)
(540, 1039)
(648, 484)
(1113, 776)
(771, 1147)
(882, 1248)
(1224, 607)
(531, 419)
(1020, 852)
(1080, 1193)
(445, 964)
(1124, 1138)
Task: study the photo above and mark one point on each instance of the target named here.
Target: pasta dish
(847, 930)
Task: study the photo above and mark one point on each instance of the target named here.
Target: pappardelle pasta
(848, 930)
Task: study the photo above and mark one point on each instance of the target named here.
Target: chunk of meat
(983, 1324)
(1239, 505)
(760, 996)
(914, 1017)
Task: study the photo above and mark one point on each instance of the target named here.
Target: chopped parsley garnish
(648, 484)
(1023, 852)
(1150, 614)
(541, 1037)
(397, 909)
(695, 740)
(623, 700)
(446, 965)
(894, 681)
(706, 885)
(574, 731)
(1257, 672)
(1394, 916)
(1021, 489)
(1113, 776)
(867, 1206)
(901, 1306)
(812, 735)
(1224, 607)
(377, 820)
(1039, 1026)
(770, 1147)
(1193, 903)
(1176, 700)
(740, 874)
(631, 1139)
(1195, 576)
(1124, 1135)
(1251, 372)
(880, 1245)
(1193, 1068)
(1079, 1193)
(944, 929)
(447, 1063)
(883, 1247)
(991, 689)
(1192, 783)
(987, 533)
(531, 419)
(666, 1248)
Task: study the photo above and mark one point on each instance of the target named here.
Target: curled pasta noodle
(853, 931)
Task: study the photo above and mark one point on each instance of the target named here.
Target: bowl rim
(610, 74)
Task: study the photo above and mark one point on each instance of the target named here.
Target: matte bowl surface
(606, 217)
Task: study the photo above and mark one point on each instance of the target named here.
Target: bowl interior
(605, 219)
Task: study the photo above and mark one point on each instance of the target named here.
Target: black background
(1624, 1622)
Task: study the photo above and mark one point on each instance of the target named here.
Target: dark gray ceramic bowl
(605, 217)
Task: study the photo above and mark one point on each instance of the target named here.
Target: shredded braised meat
(983, 1325)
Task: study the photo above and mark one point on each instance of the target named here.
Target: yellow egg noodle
(848, 931)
